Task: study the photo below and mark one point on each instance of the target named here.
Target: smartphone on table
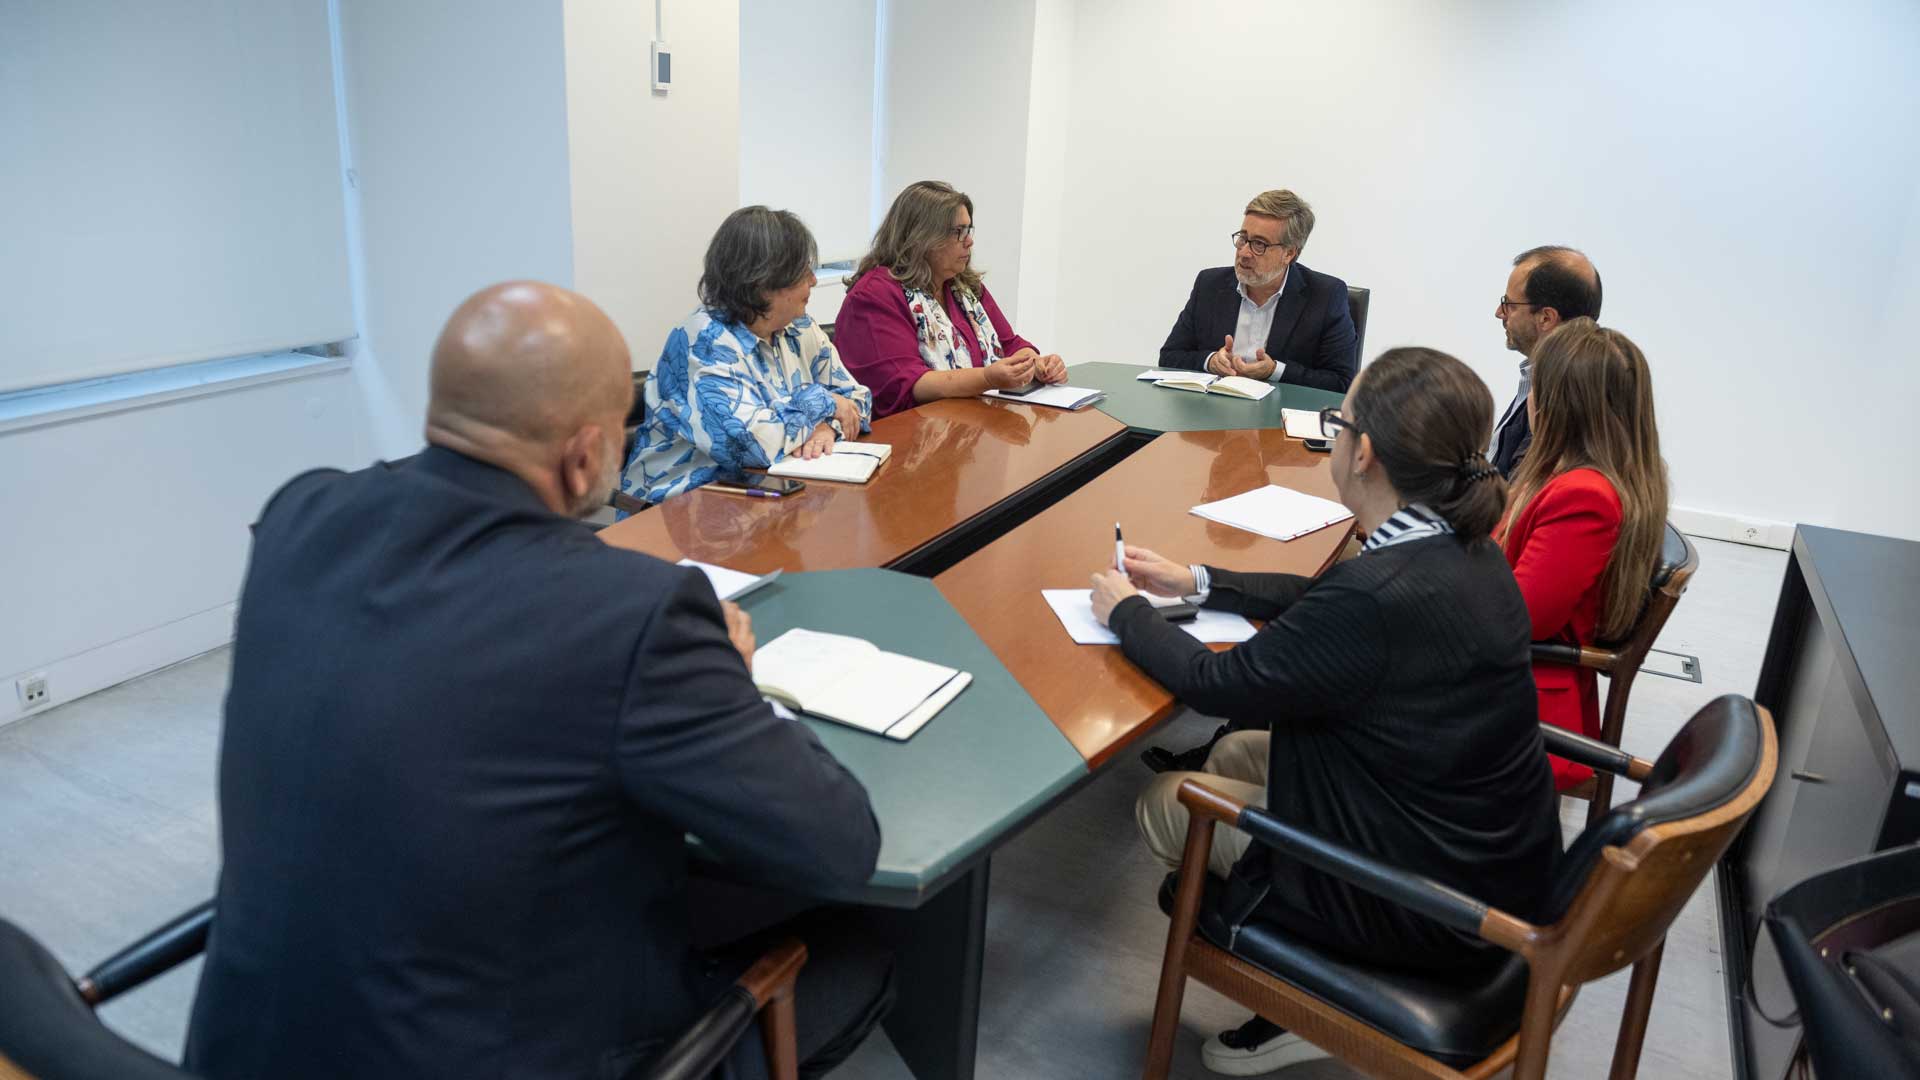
(758, 484)
(1319, 446)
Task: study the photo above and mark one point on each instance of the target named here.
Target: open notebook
(1199, 382)
(850, 463)
(850, 681)
(1302, 423)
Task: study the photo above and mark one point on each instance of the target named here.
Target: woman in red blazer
(1589, 504)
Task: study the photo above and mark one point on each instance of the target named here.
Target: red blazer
(1559, 549)
(877, 339)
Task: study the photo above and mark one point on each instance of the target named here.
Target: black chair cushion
(1712, 760)
(1358, 300)
(1455, 1021)
(48, 1032)
(1673, 552)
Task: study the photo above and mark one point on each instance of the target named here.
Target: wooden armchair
(48, 1030)
(1614, 894)
(1621, 661)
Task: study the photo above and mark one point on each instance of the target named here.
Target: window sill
(27, 409)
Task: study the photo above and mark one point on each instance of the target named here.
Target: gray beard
(1257, 281)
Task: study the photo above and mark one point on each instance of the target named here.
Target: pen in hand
(1119, 550)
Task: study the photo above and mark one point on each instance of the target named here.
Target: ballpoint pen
(1119, 550)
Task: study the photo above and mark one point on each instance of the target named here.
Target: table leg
(941, 947)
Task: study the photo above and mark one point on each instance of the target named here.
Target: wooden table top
(952, 461)
(1098, 699)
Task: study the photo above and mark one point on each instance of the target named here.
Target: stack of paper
(730, 584)
(850, 463)
(1074, 608)
(1281, 513)
(1059, 397)
(1302, 424)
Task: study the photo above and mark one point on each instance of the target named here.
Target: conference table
(993, 501)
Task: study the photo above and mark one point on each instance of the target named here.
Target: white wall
(457, 121)
(806, 116)
(126, 532)
(956, 109)
(1745, 176)
(652, 175)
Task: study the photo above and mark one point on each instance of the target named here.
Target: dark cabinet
(1842, 678)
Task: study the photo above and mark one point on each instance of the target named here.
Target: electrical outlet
(32, 690)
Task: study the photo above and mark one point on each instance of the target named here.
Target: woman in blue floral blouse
(748, 379)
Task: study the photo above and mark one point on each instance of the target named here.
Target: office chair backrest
(48, 1033)
(1357, 304)
(1625, 879)
(1818, 927)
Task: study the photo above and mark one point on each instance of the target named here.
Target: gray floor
(108, 827)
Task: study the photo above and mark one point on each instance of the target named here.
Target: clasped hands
(1146, 572)
(1023, 367)
(1223, 361)
(821, 441)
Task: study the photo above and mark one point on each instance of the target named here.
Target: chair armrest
(1593, 753)
(626, 503)
(1583, 656)
(180, 940)
(1412, 891)
(701, 1049)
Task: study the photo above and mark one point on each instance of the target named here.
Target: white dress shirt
(1515, 407)
(1256, 322)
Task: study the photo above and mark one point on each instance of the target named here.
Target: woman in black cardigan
(1397, 686)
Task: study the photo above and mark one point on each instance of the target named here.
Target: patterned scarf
(941, 346)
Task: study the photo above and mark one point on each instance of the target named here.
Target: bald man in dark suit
(466, 741)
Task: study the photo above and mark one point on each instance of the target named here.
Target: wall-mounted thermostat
(662, 67)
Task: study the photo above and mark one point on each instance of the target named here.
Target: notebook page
(1074, 609)
(1241, 386)
(806, 664)
(1274, 511)
(1302, 424)
(881, 690)
(730, 584)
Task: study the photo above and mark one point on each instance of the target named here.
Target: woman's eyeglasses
(960, 232)
(1331, 422)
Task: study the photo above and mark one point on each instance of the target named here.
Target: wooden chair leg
(1173, 966)
(780, 1037)
(1633, 1020)
(1612, 724)
(1536, 1025)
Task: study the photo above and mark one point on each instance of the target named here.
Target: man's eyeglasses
(1254, 243)
(960, 232)
(1331, 422)
(1506, 303)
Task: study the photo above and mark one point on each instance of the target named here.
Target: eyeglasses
(960, 232)
(1254, 243)
(1331, 422)
(1506, 303)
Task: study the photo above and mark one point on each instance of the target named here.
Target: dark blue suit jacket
(1312, 336)
(464, 744)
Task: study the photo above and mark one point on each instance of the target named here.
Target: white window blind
(806, 116)
(169, 185)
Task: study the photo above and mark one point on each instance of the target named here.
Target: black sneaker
(1255, 1048)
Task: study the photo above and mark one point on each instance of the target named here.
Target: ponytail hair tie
(1475, 469)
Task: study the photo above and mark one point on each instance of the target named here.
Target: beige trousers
(1236, 767)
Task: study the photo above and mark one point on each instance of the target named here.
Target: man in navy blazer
(465, 743)
(1267, 316)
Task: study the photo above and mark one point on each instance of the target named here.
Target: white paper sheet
(1156, 374)
(1274, 511)
(1074, 608)
(730, 584)
(1302, 424)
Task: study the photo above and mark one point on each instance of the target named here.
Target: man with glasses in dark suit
(1548, 286)
(1267, 316)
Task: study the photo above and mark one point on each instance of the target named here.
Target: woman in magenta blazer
(1589, 505)
(917, 323)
